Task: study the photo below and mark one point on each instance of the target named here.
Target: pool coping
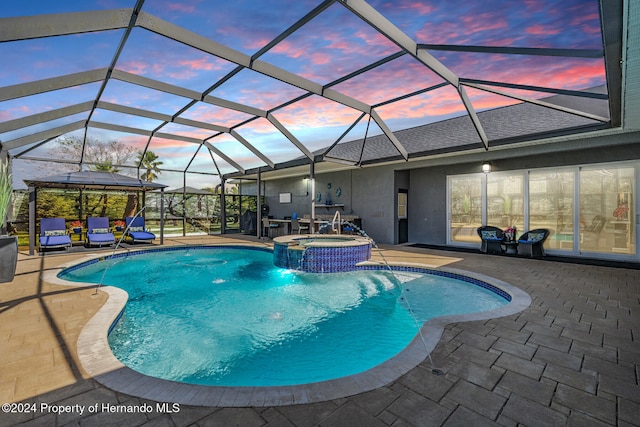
(331, 240)
(99, 362)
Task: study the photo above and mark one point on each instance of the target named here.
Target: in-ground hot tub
(318, 253)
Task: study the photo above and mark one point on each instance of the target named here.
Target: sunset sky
(327, 48)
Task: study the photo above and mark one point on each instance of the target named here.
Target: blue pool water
(227, 316)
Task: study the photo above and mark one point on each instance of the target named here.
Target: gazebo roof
(94, 180)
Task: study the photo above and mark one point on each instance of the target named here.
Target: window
(465, 207)
(504, 201)
(607, 210)
(551, 206)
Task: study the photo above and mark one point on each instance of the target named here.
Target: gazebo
(88, 180)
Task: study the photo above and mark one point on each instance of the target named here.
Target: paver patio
(571, 358)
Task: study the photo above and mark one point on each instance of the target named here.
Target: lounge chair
(98, 232)
(492, 238)
(53, 234)
(135, 229)
(531, 243)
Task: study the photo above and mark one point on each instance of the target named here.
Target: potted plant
(8, 244)
(76, 226)
(118, 224)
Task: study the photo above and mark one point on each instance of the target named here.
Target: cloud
(215, 115)
(419, 8)
(316, 112)
(180, 7)
(134, 67)
(539, 29)
(202, 63)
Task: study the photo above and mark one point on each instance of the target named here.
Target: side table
(511, 248)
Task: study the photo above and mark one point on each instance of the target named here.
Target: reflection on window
(466, 208)
(551, 206)
(606, 210)
(504, 201)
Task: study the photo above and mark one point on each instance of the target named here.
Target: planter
(8, 258)
(77, 230)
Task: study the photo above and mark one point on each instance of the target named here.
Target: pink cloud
(420, 8)
(255, 44)
(442, 33)
(539, 29)
(134, 67)
(180, 7)
(315, 112)
(403, 76)
(286, 48)
(483, 22)
(534, 6)
(259, 126)
(203, 63)
(445, 101)
(136, 141)
(169, 147)
(588, 23)
(215, 115)
(320, 58)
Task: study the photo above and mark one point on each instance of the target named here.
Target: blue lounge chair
(137, 231)
(98, 232)
(53, 234)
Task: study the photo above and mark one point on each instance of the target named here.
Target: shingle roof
(523, 121)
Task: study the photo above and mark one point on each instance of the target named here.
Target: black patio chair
(492, 238)
(531, 243)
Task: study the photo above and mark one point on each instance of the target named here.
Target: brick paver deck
(571, 358)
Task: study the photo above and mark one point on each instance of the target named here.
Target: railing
(336, 226)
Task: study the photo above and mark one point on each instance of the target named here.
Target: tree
(103, 156)
(98, 155)
(149, 162)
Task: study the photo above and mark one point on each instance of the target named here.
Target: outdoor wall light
(486, 167)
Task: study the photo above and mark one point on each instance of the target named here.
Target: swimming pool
(300, 327)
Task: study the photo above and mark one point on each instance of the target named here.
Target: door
(403, 221)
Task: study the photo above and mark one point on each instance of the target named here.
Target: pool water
(227, 316)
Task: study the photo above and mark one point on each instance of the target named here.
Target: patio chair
(136, 230)
(98, 232)
(531, 243)
(268, 227)
(297, 228)
(492, 238)
(53, 234)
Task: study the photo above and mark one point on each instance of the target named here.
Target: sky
(329, 47)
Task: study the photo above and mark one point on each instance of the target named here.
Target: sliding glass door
(551, 206)
(590, 210)
(607, 218)
(465, 208)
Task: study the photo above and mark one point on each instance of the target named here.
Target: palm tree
(149, 161)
